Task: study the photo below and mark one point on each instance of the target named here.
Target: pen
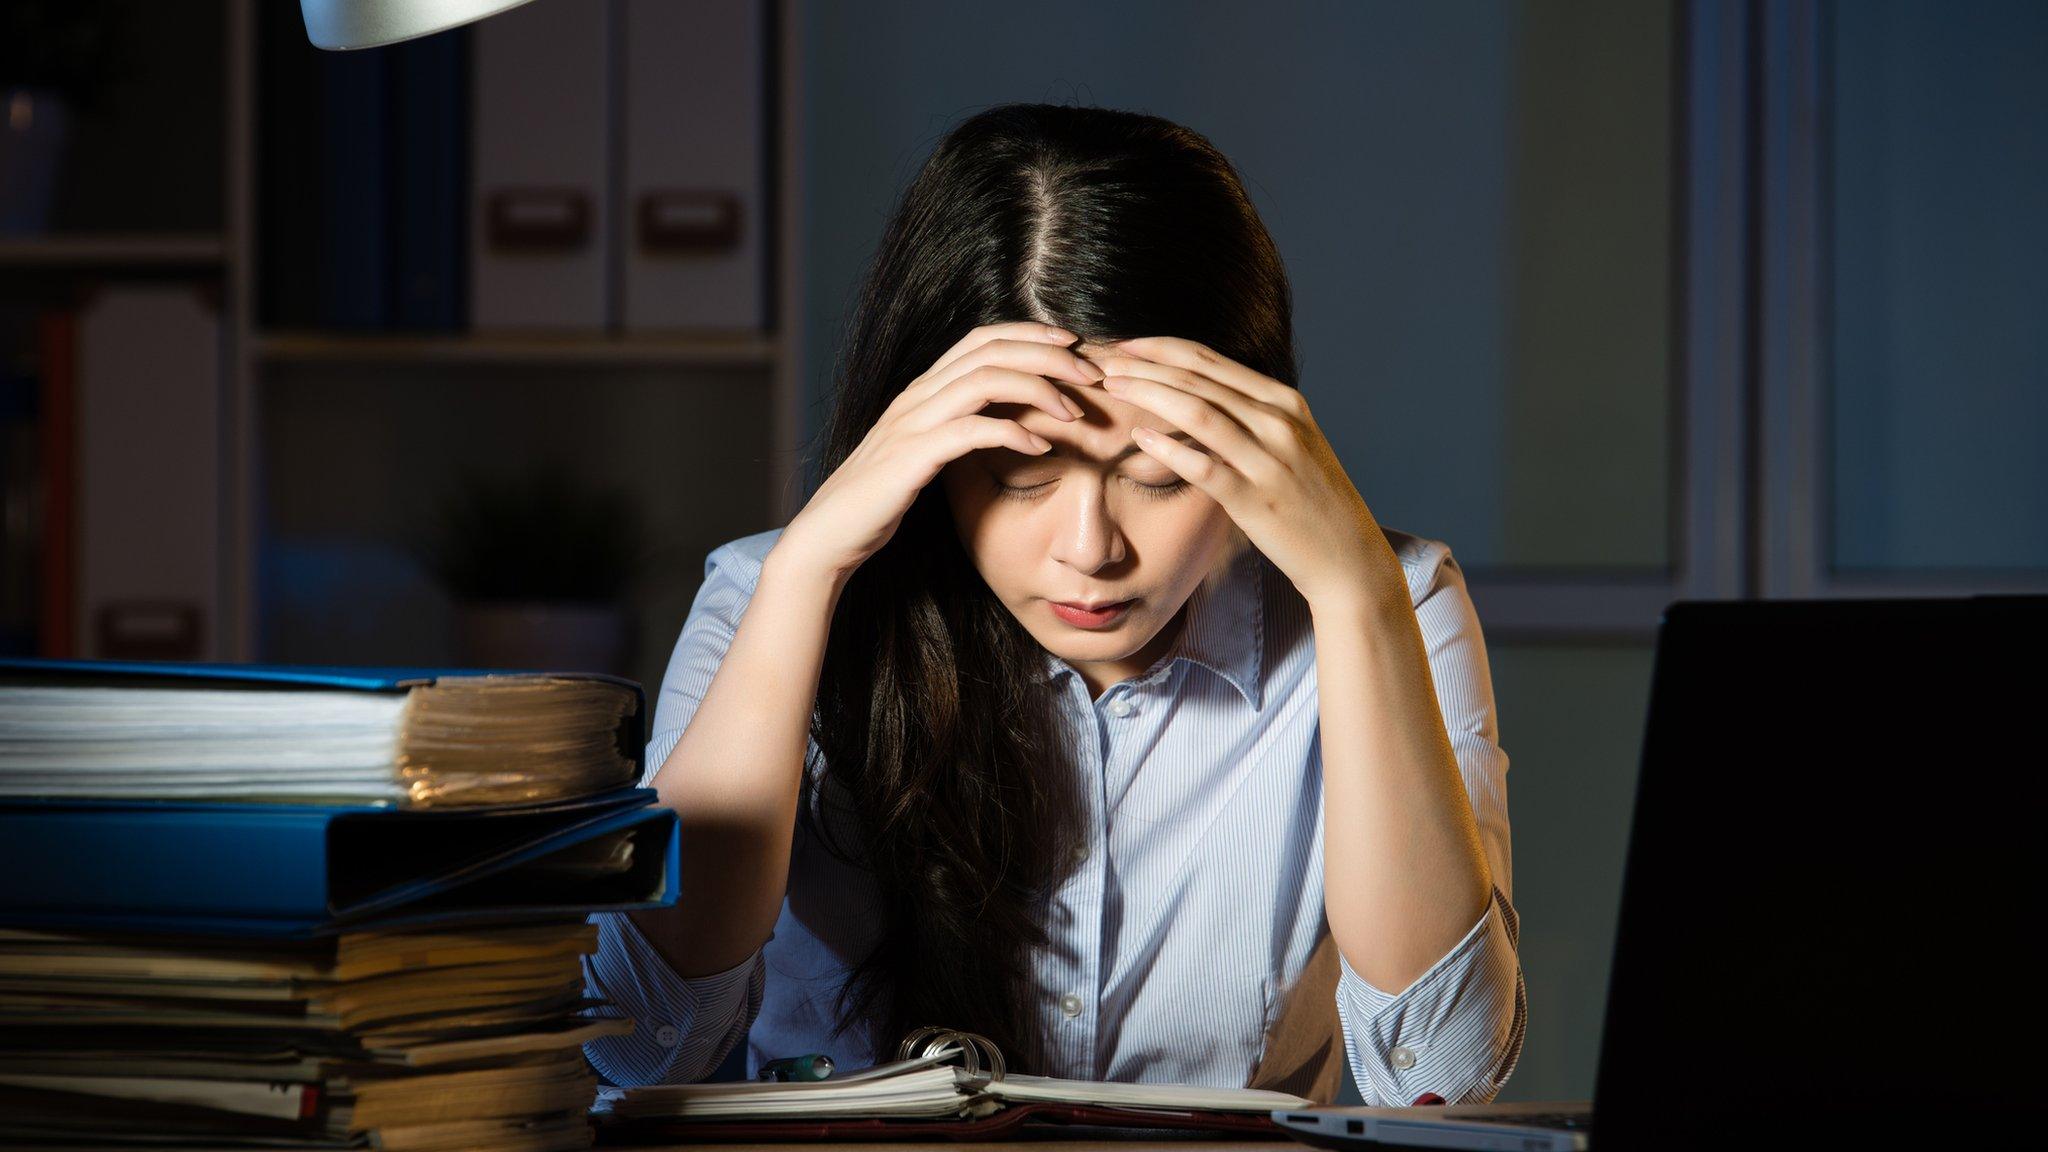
(816, 1066)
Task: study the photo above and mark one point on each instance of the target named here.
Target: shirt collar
(1225, 627)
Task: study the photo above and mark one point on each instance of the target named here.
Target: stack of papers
(421, 1040)
(77, 730)
(283, 907)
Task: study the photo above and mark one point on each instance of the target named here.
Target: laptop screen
(1832, 896)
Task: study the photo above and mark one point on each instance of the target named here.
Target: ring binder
(945, 1084)
(973, 1046)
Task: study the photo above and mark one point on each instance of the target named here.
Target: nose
(1087, 538)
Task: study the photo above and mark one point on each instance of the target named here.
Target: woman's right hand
(931, 422)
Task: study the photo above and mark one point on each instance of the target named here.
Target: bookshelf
(112, 252)
(335, 446)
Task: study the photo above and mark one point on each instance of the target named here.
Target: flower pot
(555, 637)
(35, 124)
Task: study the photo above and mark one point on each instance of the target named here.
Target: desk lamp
(343, 24)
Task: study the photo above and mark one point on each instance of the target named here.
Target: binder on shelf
(430, 171)
(696, 216)
(356, 121)
(539, 202)
(290, 204)
(362, 182)
(291, 870)
(147, 398)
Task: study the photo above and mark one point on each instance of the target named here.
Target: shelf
(708, 351)
(113, 250)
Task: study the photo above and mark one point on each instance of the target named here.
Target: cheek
(993, 531)
(1186, 522)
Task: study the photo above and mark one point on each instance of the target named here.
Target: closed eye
(1151, 491)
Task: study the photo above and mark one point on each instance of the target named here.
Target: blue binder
(395, 678)
(273, 869)
(313, 870)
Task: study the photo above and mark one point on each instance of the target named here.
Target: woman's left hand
(1266, 462)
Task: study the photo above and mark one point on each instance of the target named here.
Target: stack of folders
(286, 907)
(945, 1085)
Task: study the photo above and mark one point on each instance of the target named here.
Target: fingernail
(1040, 442)
(1092, 371)
(1061, 334)
(1072, 407)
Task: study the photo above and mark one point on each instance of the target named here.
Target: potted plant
(57, 59)
(540, 566)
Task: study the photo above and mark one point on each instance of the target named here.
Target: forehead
(1101, 435)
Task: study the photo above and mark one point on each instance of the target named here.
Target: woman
(921, 781)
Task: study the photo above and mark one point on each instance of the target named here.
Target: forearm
(1405, 875)
(734, 778)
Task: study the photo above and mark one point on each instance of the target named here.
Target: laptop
(1832, 879)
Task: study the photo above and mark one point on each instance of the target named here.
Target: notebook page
(1017, 1087)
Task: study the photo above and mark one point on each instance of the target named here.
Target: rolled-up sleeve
(1457, 1029)
(683, 1026)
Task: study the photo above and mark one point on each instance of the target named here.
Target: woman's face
(1094, 521)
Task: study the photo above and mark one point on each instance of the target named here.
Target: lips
(1083, 617)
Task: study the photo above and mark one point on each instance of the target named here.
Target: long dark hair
(1109, 224)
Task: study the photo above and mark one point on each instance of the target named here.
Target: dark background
(1625, 301)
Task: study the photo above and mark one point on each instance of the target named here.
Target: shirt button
(1402, 1057)
(1121, 708)
(1080, 855)
(667, 1036)
(1071, 1005)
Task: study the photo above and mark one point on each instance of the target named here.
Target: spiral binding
(974, 1049)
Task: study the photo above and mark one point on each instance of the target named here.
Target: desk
(1088, 1145)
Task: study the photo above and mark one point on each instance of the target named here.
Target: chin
(1116, 644)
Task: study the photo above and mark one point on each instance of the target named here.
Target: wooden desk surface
(1038, 1145)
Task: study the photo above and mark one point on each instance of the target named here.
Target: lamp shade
(342, 24)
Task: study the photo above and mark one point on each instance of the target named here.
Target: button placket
(1083, 897)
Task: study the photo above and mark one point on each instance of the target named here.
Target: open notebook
(946, 1084)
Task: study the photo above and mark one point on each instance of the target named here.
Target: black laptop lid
(1833, 902)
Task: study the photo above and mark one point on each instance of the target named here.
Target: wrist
(788, 566)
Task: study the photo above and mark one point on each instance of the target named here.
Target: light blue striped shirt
(1200, 894)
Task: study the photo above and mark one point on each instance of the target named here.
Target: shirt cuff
(683, 1027)
(1456, 1031)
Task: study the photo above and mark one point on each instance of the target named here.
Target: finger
(1257, 416)
(991, 384)
(1218, 432)
(1190, 463)
(1036, 357)
(958, 437)
(1194, 357)
(1030, 330)
(948, 364)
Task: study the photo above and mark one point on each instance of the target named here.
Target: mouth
(1084, 615)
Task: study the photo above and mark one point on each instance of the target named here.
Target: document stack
(288, 907)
